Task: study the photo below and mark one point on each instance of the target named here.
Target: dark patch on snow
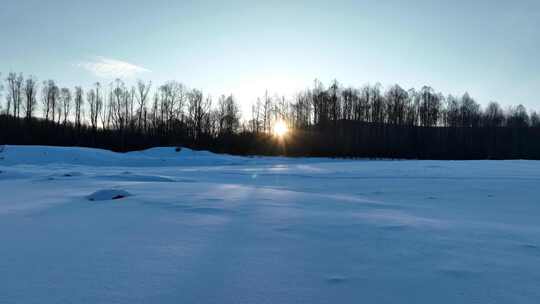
(210, 199)
(337, 279)
(283, 229)
(531, 248)
(72, 174)
(108, 194)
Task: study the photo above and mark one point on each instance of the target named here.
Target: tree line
(367, 121)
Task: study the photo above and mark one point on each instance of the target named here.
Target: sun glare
(280, 129)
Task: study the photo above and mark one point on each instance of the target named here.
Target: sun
(280, 129)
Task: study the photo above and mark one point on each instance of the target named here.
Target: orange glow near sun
(280, 129)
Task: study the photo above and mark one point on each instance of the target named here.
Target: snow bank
(154, 157)
(163, 156)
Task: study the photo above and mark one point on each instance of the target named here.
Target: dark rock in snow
(108, 194)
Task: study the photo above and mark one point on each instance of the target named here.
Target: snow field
(159, 226)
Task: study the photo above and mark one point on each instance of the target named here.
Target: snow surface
(195, 227)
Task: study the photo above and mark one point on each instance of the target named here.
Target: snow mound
(108, 194)
(154, 157)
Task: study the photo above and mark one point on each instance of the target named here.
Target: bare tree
(469, 111)
(30, 92)
(301, 109)
(430, 107)
(319, 100)
(349, 99)
(535, 119)
(119, 105)
(154, 113)
(518, 117)
(95, 103)
(412, 112)
(79, 99)
(452, 117)
(59, 108)
(65, 103)
(143, 89)
(130, 108)
(334, 101)
(228, 114)
(198, 109)
(362, 109)
(172, 99)
(255, 116)
(377, 104)
(493, 115)
(106, 107)
(49, 97)
(396, 105)
(267, 106)
(15, 93)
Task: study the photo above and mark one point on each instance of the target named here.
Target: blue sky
(487, 48)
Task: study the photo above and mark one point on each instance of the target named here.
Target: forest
(323, 120)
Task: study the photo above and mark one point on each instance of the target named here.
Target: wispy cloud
(111, 68)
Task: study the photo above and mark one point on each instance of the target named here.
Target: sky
(487, 48)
